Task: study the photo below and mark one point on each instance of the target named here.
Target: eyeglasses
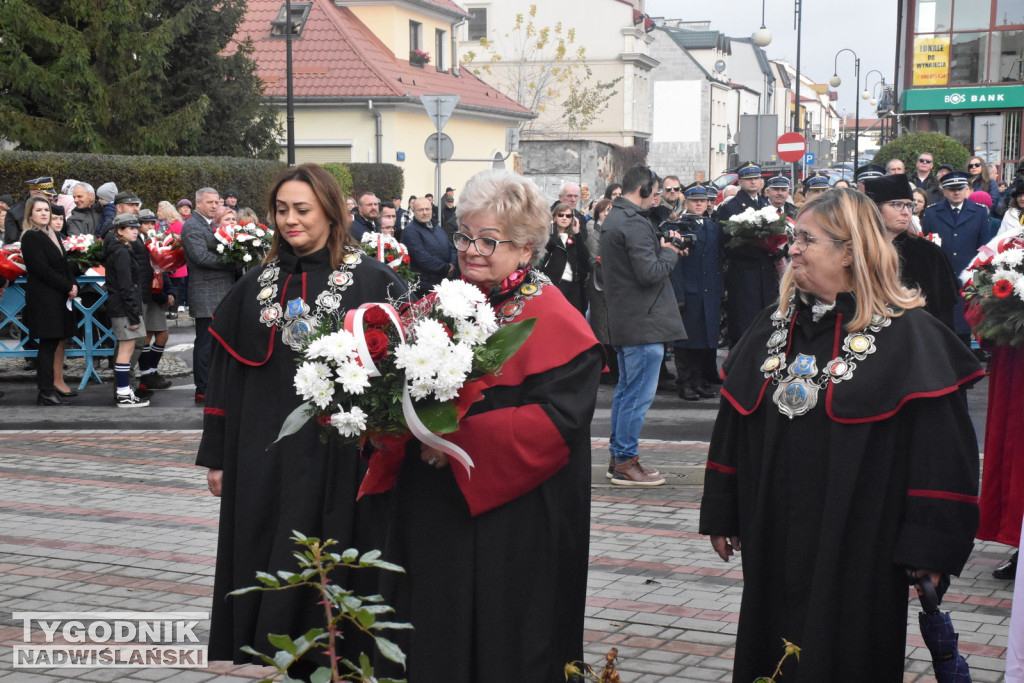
(485, 246)
(803, 238)
(903, 206)
(563, 215)
(924, 161)
(974, 165)
(672, 189)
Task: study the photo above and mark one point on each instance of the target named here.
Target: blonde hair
(169, 211)
(29, 204)
(517, 204)
(850, 216)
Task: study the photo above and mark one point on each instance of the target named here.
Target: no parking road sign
(791, 147)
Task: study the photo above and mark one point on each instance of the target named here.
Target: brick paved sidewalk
(122, 521)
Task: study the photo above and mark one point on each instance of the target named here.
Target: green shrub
(943, 148)
(342, 175)
(384, 180)
(153, 178)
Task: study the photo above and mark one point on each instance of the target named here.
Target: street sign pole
(439, 108)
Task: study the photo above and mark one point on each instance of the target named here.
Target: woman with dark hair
(51, 283)
(978, 178)
(612, 191)
(843, 458)
(313, 273)
(567, 261)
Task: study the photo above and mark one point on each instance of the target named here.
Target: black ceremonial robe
(831, 506)
(496, 561)
(924, 265)
(272, 489)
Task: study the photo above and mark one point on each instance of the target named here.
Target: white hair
(85, 186)
(205, 191)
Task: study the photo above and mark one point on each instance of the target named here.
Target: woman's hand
(133, 327)
(433, 457)
(918, 573)
(214, 479)
(725, 546)
(74, 291)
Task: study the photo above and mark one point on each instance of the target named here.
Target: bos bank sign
(932, 99)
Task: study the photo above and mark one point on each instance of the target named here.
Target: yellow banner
(931, 61)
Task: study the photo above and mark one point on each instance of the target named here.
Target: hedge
(155, 178)
(944, 149)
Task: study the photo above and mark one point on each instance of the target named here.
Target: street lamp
(763, 37)
(835, 82)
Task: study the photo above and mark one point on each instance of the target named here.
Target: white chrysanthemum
(1018, 288)
(421, 388)
(1003, 274)
(351, 423)
(220, 248)
(486, 318)
(312, 382)
(432, 333)
(258, 243)
(353, 378)
(247, 258)
(416, 359)
(1010, 257)
(457, 299)
(462, 354)
(339, 346)
(468, 332)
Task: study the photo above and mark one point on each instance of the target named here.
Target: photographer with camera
(642, 315)
(698, 285)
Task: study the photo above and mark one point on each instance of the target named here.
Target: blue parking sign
(809, 159)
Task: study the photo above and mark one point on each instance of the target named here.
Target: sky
(868, 27)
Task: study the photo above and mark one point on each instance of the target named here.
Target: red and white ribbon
(420, 431)
(354, 324)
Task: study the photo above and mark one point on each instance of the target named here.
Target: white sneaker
(130, 400)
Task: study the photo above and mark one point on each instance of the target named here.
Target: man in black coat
(923, 264)
(751, 183)
(925, 179)
(364, 220)
(87, 215)
(13, 223)
(431, 251)
(778, 191)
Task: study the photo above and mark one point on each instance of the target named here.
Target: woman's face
(604, 212)
(919, 200)
(128, 234)
(584, 193)
(487, 271)
(563, 219)
(617, 192)
(300, 219)
(350, 203)
(185, 210)
(1019, 201)
(56, 222)
(230, 218)
(818, 266)
(40, 213)
(975, 165)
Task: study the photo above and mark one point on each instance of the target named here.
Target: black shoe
(50, 399)
(688, 394)
(143, 393)
(154, 380)
(1007, 571)
(30, 364)
(706, 392)
(70, 393)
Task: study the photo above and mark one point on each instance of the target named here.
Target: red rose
(1002, 288)
(376, 317)
(324, 420)
(405, 259)
(376, 343)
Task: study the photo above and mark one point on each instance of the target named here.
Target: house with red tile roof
(359, 68)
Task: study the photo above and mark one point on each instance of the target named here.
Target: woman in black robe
(496, 558)
(302, 484)
(843, 458)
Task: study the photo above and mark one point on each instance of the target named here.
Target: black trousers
(44, 364)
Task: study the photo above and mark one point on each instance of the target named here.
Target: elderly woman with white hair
(496, 560)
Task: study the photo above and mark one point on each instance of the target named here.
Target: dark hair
(638, 177)
(611, 188)
(328, 194)
(599, 206)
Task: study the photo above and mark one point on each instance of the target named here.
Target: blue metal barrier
(89, 337)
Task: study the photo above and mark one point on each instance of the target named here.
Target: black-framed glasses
(925, 161)
(974, 165)
(804, 238)
(485, 246)
(672, 189)
(903, 206)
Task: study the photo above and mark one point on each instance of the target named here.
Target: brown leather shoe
(650, 471)
(631, 473)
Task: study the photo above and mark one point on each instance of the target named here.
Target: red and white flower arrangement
(12, 264)
(390, 376)
(245, 243)
(166, 254)
(995, 291)
(764, 228)
(390, 252)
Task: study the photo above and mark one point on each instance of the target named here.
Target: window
(971, 15)
(300, 11)
(1010, 12)
(440, 38)
(969, 63)
(1007, 50)
(478, 22)
(932, 16)
(415, 35)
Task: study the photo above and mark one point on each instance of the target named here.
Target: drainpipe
(455, 46)
(380, 128)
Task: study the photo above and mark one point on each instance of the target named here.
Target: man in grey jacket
(209, 279)
(642, 316)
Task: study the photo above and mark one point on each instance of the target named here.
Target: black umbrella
(941, 639)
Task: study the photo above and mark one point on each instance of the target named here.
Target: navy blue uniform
(961, 238)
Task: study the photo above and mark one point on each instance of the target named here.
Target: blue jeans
(639, 367)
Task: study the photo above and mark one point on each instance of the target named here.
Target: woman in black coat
(51, 283)
(567, 259)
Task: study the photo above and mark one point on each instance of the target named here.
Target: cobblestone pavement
(105, 520)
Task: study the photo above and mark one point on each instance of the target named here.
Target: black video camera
(685, 225)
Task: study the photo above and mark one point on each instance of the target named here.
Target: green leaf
(283, 659)
(438, 417)
(267, 579)
(350, 555)
(283, 642)
(259, 655)
(369, 556)
(390, 650)
(507, 340)
(294, 422)
(381, 625)
(249, 589)
(321, 675)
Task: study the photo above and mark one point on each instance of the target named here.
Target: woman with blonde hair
(843, 462)
(171, 221)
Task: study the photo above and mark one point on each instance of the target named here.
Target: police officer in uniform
(962, 227)
(866, 172)
(778, 190)
(815, 185)
(697, 282)
(37, 187)
(751, 183)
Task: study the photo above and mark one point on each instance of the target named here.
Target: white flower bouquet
(390, 376)
(390, 252)
(764, 228)
(995, 291)
(245, 243)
